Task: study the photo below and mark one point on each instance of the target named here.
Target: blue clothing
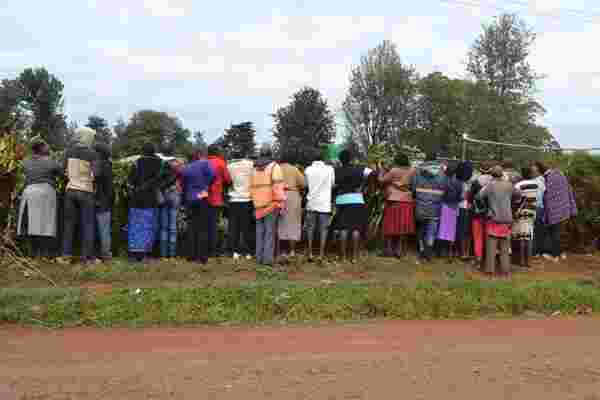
(168, 224)
(197, 177)
(350, 198)
(428, 190)
(142, 229)
(104, 231)
(454, 192)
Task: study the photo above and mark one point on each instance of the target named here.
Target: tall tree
(100, 125)
(440, 114)
(380, 103)
(11, 114)
(499, 60)
(43, 96)
(305, 124)
(239, 139)
(150, 126)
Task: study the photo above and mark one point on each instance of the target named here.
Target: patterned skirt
(523, 226)
(142, 229)
(398, 218)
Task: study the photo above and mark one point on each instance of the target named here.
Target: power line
(586, 17)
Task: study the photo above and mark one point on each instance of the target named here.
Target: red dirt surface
(507, 359)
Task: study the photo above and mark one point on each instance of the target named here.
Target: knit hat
(84, 136)
(497, 172)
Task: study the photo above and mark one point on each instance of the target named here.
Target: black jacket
(104, 186)
(145, 179)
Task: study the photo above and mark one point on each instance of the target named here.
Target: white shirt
(320, 178)
(240, 171)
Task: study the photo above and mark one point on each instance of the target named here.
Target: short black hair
(39, 148)
(401, 160)
(541, 166)
(214, 150)
(103, 150)
(148, 149)
(289, 156)
(266, 152)
(346, 157)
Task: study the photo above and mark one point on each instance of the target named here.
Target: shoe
(248, 257)
(563, 256)
(236, 257)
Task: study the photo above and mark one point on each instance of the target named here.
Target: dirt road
(549, 359)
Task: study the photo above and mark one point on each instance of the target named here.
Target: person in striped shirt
(525, 215)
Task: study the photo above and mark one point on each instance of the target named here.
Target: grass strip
(288, 302)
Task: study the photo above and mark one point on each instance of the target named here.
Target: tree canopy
(305, 124)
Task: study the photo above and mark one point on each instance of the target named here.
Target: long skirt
(290, 222)
(448, 220)
(37, 211)
(479, 235)
(399, 218)
(143, 223)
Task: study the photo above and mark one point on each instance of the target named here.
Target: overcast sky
(221, 62)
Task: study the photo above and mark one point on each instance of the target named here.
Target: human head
(486, 166)
(315, 155)
(535, 170)
(542, 167)
(497, 171)
(148, 149)
(266, 152)
(464, 171)
(199, 153)
(450, 170)
(526, 173)
(84, 136)
(40, 149)
(346, 157)
(103, 150)
(214, 150)
(401, 160)
(288, 157)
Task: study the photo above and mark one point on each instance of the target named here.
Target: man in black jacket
(104, 200)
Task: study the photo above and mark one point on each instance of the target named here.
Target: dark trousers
(540, 234)
(553, 232)
(79, 207)
(41, 246)
(197, 231)
(213, 219)
(240, 222)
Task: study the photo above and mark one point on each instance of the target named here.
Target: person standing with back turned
(320, 179)
(268, 195)
(215, 195)
(240, 206)
(81, 166)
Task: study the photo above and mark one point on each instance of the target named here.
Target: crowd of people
(455, 210)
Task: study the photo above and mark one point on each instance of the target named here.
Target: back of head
(542, 166)
(266, 152)
(401, 160)
(315, 155)
(485, 167)
(215, 150)
(497, 171)
(148, 149)
(346, 157)
(103, 150)
(40, 149)
(288, 157)
(464, 171)
(84, 136)
(526, 173)
(199, 153)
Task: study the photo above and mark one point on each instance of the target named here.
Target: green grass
(282, 301)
